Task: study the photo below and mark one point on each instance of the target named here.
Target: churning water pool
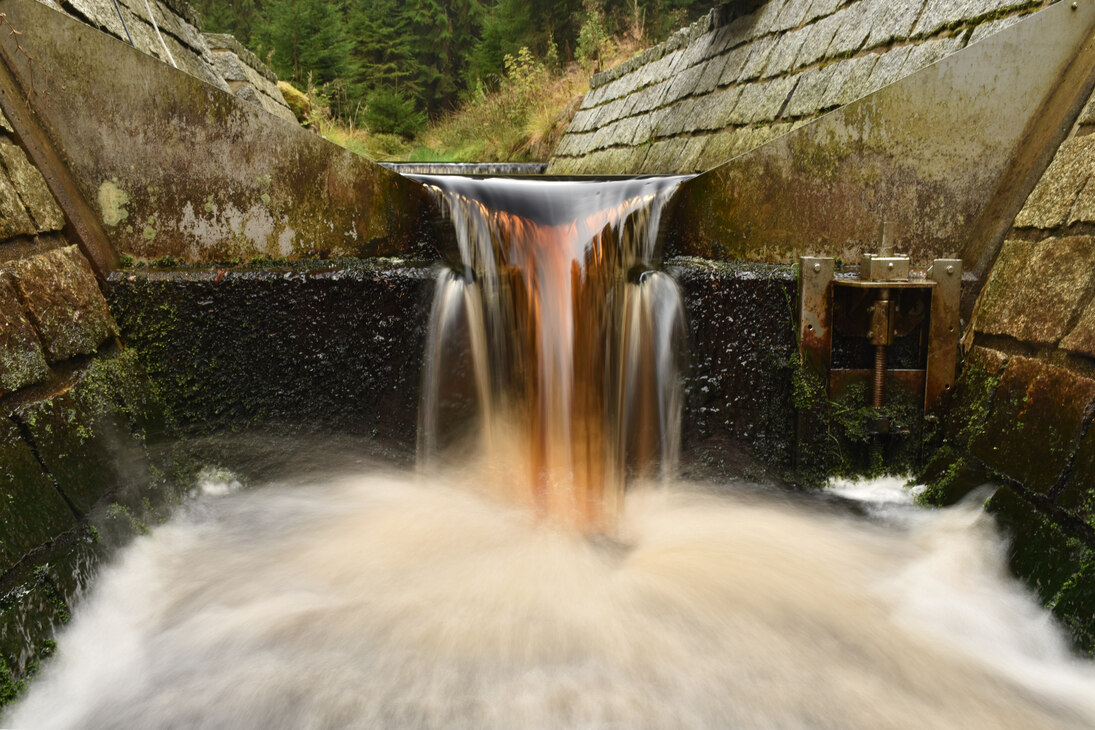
(400, 599)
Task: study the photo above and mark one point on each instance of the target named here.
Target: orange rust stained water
(564, 277)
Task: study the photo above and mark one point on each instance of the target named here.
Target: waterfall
(555, 342)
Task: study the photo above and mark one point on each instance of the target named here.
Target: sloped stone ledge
(736, 79)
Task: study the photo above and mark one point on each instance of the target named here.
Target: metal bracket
(884, 268)
(815, 332)
(943, 333)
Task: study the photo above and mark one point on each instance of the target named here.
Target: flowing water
(392, 600)
(505, 583)
(572, 337)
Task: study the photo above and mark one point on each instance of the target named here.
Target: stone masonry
(170, 30)
(749, 72)
(247, 77)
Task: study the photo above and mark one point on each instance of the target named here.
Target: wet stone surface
(22, 361)
(738, 413)
(32, 511)
(336, 349)
(1035, 287)
(60, 293)
(1036, 422)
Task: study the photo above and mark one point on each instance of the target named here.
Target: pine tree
(237, 17)
(383, 48)
(307, 39)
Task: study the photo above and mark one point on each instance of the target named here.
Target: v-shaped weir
(555, 340)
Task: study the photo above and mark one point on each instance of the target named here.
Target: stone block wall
(76, 415)
(1022, 411)
(247, 77)
(170, 30)
(749, 72)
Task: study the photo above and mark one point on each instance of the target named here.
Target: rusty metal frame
(815, 326)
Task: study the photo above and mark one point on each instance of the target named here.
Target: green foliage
(389, 112)
(305, 40)
(355, 55)
(592, 38)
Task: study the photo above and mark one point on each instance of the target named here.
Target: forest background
(475, 80)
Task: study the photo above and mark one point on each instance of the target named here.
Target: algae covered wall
(79, 415)
(749, 72)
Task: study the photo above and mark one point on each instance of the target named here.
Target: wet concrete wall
(318, 349)
(749, 72)
(310, 348)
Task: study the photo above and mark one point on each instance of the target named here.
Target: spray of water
(394, 601)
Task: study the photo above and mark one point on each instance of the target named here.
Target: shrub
(389, 112)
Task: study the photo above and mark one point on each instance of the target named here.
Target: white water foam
(377, 600)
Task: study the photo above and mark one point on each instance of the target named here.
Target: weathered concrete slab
(1036, 288)
(178, 168)
(60, 293)
(944, 158)
(1036, 422)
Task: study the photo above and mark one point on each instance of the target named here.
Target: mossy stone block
(40, 598)
(22, 361)
(32, 512)
(1038, 551)
(949, 477)
(1051, 200)
(32, 189)
(964, 410)
(1082, 338)
(1078, 496)
(14, 219)
(119, 381)
(62, 297)
(65, 437)
(1075, 606)
(1036, 422)
(1037, 287)
(84, 438)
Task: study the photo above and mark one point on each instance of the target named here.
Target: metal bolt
(950, 269)
(1075, 5)
(817, 268)
(890, 266)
